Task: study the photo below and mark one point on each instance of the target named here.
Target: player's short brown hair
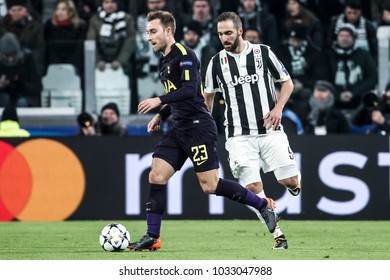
(166, 18)
(230, 16)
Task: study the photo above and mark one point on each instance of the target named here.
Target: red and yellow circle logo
(40, 180)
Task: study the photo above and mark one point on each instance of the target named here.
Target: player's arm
(165, 112)
(189, 67)
(189, 78)
(274, 117)
(209, 91)
(285, 93)
(154, 123)
(148, 104)
(280, 74)
(187, 91)
(209, 100)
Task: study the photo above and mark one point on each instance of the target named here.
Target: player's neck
(168, 47)
(240, 48)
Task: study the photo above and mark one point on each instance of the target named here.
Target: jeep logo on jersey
(245, 79)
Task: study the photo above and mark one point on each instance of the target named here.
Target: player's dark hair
(166, 18)
(230, 16)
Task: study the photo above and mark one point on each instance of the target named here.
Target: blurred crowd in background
(329, 47)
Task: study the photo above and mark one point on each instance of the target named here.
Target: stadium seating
(112, 86)
(62, 87)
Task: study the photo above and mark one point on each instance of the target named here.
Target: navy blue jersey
(180, 76)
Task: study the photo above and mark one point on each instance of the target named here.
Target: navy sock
(255, 201)
(154, 224)
(155, 208)
(236, 192)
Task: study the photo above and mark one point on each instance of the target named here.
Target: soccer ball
(114, 238)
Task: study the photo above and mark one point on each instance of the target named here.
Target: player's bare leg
(159, 175)
(293, 184)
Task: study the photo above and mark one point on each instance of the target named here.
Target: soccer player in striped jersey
(193, 133)
(245, 73)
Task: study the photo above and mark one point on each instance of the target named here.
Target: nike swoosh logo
(201, 162)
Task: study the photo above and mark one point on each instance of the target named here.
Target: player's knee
(207, 187)
(157, 178)
(291, 182)
(255, 187)
(208, 182)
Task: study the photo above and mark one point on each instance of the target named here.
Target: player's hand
(148, 104)
(273, 119)
(154, 124)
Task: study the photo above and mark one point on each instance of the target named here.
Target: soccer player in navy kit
(193, 133)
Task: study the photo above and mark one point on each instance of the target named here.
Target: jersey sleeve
(188, 65)
(165, 112)
(279, 72)
(211, 85)
(189, 69)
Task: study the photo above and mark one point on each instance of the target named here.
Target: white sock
(278, 232)
(261, 194)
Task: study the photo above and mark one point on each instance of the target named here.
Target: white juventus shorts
(271, 152)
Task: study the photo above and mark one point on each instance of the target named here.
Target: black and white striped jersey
(247, 81)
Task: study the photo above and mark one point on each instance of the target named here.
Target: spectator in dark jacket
(258, 17)
(365, 30)
(28, 30)
(192, 34)
(64, 36)
(373, 116)
(114, 33)
(296, 13)
(203, 12)
(109, 121)
(305, 64)
(20, 83)
(323, 118)
(351, 69)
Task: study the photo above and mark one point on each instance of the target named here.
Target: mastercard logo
(40, 180)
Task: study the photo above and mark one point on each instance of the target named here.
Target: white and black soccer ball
(114, 238)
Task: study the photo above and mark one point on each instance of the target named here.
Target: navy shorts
(199, 144)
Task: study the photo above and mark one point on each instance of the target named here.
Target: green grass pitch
(200, 240)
